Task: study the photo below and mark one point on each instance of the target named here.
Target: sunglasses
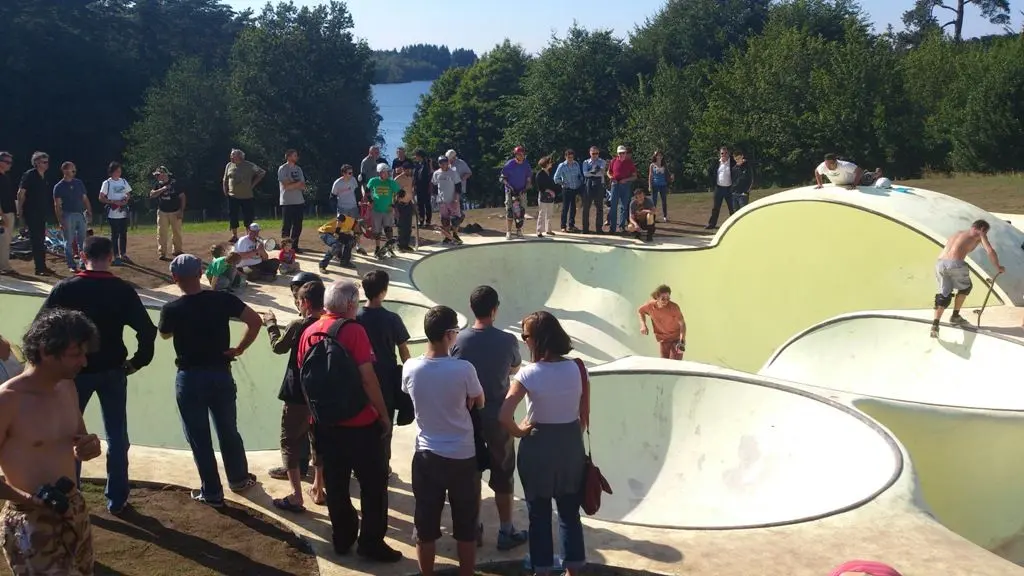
(526, 336)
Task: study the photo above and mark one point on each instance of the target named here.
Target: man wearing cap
(200, 323)
(462, 170)
(292, 183)
(240, 177)
(515, 175)
(622, 172)
(254, 256)
(382, 190)
(169, 212)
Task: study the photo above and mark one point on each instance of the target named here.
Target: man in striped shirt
(569, 175)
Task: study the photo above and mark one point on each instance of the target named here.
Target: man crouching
(45, 523)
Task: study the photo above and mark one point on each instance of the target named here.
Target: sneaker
(552, 233)
(509, 540)
(323, 270)
(664, 218)
(361, 250)
(519, 232)
(119, 509)
(73, 270)
(508, 235)
(279, 473)
(935, 331)
(164, 258)
(958, 320)
(243, 485)
(540, 235)
(380, 553)
(197, 495)
(125, 258)
(445, 242)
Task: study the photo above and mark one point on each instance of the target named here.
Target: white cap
(450, 154)
(382, 167)
(621, 149)
(883, 183)
(254, 227)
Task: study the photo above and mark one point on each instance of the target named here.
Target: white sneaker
(664, 219)
(508, 235)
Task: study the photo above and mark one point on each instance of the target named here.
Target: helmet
(519, 150)
(303, 277)
(382, 167)
(441, 159)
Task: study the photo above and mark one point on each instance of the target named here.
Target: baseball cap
(442, 159)
(186, 266)
(621, 150)
(450, 154)
(254, 227)
(161, 170)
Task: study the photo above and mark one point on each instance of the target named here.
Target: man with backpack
(335, 362)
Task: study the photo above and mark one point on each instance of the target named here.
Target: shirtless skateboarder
(44, 526)
(952, 271)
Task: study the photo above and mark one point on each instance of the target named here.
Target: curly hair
(56, 330)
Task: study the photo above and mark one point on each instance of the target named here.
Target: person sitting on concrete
(339, 235)
(254, 256)
(222, 273)
(642, 217)
(839, 172)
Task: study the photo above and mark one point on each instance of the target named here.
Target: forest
(785, 81)
(418, 62)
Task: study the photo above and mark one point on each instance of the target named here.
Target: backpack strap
(337, 326)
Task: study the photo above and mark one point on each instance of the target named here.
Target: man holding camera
(44, 526)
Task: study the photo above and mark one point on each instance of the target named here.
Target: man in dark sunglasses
(35, 196)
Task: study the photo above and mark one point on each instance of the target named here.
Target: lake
(397, 104)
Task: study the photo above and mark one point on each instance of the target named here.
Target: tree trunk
(958, 28)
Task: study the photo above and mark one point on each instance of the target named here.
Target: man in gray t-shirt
(292, 184)
(495, 355)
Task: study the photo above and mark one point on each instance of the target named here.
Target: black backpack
(330, 379)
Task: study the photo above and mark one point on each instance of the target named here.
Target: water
(397, 104)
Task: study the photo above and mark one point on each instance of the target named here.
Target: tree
(300, 80)
(571, 94)
(922, 15)
(185, 126)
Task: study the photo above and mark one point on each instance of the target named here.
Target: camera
(55, 496)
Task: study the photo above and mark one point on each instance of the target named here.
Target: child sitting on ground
(287, 258)
(668, 321)
(222, 273)
(406, 210)
(339, 235)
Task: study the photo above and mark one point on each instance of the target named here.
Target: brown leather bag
(594, 482)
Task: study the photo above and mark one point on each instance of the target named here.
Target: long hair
(550, 340)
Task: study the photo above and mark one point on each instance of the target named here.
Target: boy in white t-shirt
(839, 172)
(116, 195)
(443, 390)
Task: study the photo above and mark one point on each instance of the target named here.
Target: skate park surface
(841, 447)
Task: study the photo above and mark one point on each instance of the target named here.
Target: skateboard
(387, 250)
(416, 227)
(991, 286)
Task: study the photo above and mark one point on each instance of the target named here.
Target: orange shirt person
(668, 321)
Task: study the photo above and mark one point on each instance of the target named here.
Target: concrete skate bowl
(955, 403)
(685, 445)
(779, 265)
(152, 408)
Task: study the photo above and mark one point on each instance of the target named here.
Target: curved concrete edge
(932, 214)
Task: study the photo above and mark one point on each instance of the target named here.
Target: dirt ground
(688, 214)
(164, 533)
(516, 569)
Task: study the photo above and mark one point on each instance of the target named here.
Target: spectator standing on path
(296, 437)
(569, 175)
(8, 208)
(742, 180)
(495, 355)
(400, 159)
(423, 175)
(35, 196)
(292, 183)
(443, 391)
(622, 172)
(111, 304)
(720, 178)
(356, 444)
(170, 212)
(387, 333)
(546, 193)
(462, 170)
(839, 172)
(383, 189)
(73, 210)
(200, 323)
(446, 180)
(594, 171)
(345, 191)
(658, 179)
(368, 170)
(116, 194)
(667, 319)
(240, 178)
(551, 455)
(515, 175)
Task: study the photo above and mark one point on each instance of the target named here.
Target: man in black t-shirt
(170, 209)
(35, 199)
(8, 208)
(200, 324)
(387, 333)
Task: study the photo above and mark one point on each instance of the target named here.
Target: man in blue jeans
(111, 304)
(622, 172)
(200, 324)
(71, 205)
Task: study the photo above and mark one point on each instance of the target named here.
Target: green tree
(299, 79)
(468, 109)
(571, 94)
(185, 126)
(922, 15)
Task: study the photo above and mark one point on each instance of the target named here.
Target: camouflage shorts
(37, 541)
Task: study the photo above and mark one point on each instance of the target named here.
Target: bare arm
(21, 200)
(991, 253)
(260, 173)
(403, 352)
(507, 414)
(817, 178)
(88, 207)
(643, 318)
(585, 401)
(682, 328)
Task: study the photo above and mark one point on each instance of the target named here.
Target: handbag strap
(585, 380)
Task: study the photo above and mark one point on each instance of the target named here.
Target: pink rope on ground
(865, 567)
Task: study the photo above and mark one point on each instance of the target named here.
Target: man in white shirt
(462, 169)
(839, 172)
(254, 256)
(443, 391)
(720, 175)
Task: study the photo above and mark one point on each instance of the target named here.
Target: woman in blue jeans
(551, 458)
(658, 179)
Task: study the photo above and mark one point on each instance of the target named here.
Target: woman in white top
(115, 194)
(551, 458)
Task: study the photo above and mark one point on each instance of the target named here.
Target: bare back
(39, 428)
(960, 245)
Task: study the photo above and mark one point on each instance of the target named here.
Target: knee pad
(965, 291)
(387, 232)
(943, 301)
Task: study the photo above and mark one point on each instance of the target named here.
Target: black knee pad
(965, 292)
(388, 232)
(943, 301)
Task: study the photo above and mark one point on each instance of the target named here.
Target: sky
(480, 24)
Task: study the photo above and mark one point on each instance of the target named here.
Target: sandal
(288, 506)
(318, 497)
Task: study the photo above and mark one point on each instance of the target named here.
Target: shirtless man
(41, 435)
(952, 272)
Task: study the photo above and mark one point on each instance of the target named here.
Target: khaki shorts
(295, 433)
(436, 477)
(382, 220)
(38, 541)
(502, 447)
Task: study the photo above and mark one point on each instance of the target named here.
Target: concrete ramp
(686, 445)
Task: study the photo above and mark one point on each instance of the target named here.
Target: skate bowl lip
(855, 395)
(641, 365)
